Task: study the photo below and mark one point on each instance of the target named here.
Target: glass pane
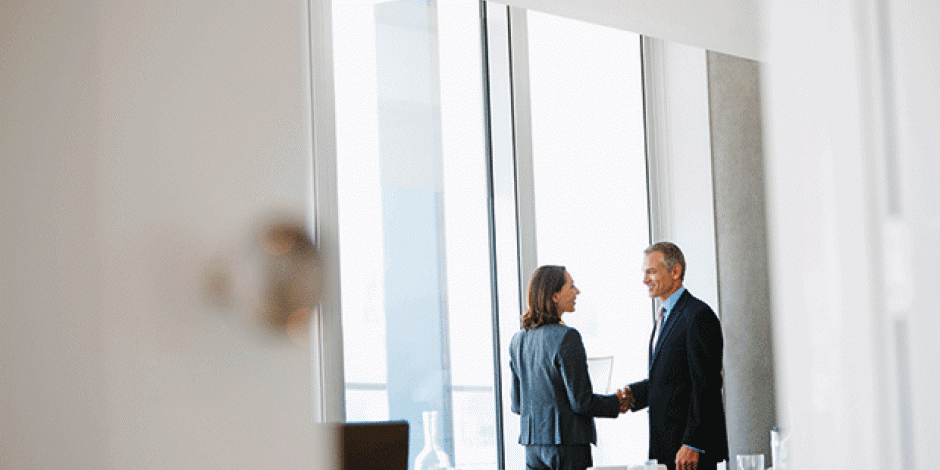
(366, 405)
(475, 428)
(591, 198)
(414, 251)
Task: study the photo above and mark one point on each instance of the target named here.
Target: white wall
(728, 26)
(139, 139)
(52, 375)
(916, 58)
(852, 91)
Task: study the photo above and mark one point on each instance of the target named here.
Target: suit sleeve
(640, 394)
(573, 365)
(704, 355)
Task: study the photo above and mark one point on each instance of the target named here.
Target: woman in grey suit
(551, 390)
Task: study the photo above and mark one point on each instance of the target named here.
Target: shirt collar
(671, 302)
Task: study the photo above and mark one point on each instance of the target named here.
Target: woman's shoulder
(517, 336)
(550, 330)
(561, 331)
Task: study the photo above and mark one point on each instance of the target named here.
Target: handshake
(625, 395)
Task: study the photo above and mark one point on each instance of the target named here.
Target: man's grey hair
(672, 255)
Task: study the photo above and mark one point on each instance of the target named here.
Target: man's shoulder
(693, 304)
(696, 310)
(690, 300)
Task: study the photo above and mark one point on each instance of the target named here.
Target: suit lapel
(677, 311)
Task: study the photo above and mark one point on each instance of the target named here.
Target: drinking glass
(751, 462)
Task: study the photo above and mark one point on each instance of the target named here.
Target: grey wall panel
(741, 238)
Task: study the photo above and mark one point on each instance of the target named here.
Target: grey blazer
(551, 390)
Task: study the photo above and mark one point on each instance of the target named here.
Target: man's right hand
(626, 399)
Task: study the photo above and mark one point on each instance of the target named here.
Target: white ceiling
(728, 26)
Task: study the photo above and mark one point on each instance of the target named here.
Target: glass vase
(432, 456)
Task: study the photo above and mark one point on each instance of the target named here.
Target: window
(589, 166)
(414, 211)
(413, 215)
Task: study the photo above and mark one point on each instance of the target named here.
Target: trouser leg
(576, 457)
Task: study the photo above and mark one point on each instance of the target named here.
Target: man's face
(660, 281)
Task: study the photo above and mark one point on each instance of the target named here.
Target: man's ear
(676, 271)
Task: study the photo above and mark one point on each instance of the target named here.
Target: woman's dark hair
(545, 282)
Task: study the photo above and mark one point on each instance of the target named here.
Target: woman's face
(564, 299)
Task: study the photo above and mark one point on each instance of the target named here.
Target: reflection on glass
(414, 248)
(591, 198)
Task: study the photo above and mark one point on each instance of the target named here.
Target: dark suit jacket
(551, 390)
(683, 391)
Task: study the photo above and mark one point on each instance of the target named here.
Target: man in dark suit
(683, 391)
